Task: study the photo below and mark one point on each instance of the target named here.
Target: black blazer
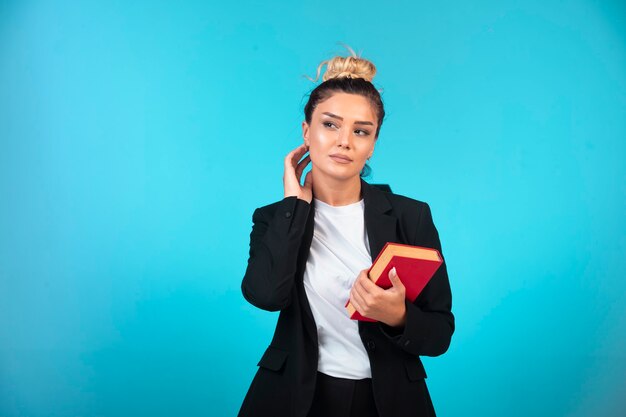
(279, 245)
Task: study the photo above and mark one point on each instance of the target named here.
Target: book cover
(415, 266)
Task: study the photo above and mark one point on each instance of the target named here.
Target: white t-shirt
(339, 251)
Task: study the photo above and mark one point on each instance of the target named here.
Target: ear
(305, 132)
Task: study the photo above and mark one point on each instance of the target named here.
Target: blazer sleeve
(274, 245)
(429, 320)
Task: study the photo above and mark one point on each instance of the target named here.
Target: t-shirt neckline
(346, 209)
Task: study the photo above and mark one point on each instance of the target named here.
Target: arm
(429, 321)
(276, 237)
(274, 246)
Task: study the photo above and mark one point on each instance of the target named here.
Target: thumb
(393, 277)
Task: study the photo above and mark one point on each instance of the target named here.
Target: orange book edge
(378, 272)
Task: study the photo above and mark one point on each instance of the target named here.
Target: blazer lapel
(309, 324)
(381, 227)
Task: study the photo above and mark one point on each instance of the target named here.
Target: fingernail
(393, 271)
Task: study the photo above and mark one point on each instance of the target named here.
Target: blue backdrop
(136, 139)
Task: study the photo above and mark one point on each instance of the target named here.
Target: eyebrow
(334, 116)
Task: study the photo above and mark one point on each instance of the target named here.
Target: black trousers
(340, 397)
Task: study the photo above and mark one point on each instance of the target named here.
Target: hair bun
(347, 67)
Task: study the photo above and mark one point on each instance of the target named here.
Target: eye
(329, 124)
(361, 132)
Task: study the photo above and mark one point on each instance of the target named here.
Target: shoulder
(403, 202)
(287, 206)
(398, 202)
(268, 208)
(410, 213)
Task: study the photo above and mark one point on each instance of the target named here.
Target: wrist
(400, 319)
(304, 197)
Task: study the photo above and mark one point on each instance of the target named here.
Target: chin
(341, 176)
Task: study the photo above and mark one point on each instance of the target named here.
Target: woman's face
(341, 135)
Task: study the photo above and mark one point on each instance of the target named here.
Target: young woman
(309, 254)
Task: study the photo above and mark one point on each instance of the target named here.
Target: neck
(336, 192)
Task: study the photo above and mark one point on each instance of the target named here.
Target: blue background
(136, 139)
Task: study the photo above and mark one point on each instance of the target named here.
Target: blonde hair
(352, 66)
(351, 75)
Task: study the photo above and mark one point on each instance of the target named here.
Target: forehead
(348, 106)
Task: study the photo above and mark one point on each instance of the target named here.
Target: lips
(340, 158)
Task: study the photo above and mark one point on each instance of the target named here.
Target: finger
(297, 154)
(301, 165)
(363, 283)
(369, 286)
(290, 156)
(358, 290)
(308, 180)
(289, 160)
(357, 302)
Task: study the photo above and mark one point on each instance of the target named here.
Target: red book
(415, 266)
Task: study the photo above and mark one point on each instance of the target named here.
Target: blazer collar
(381, 226)
(374, 198)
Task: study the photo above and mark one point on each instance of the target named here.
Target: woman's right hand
(293, 174)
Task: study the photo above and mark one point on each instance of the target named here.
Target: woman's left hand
(377, 303)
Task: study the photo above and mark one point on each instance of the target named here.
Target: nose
(344, 138)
